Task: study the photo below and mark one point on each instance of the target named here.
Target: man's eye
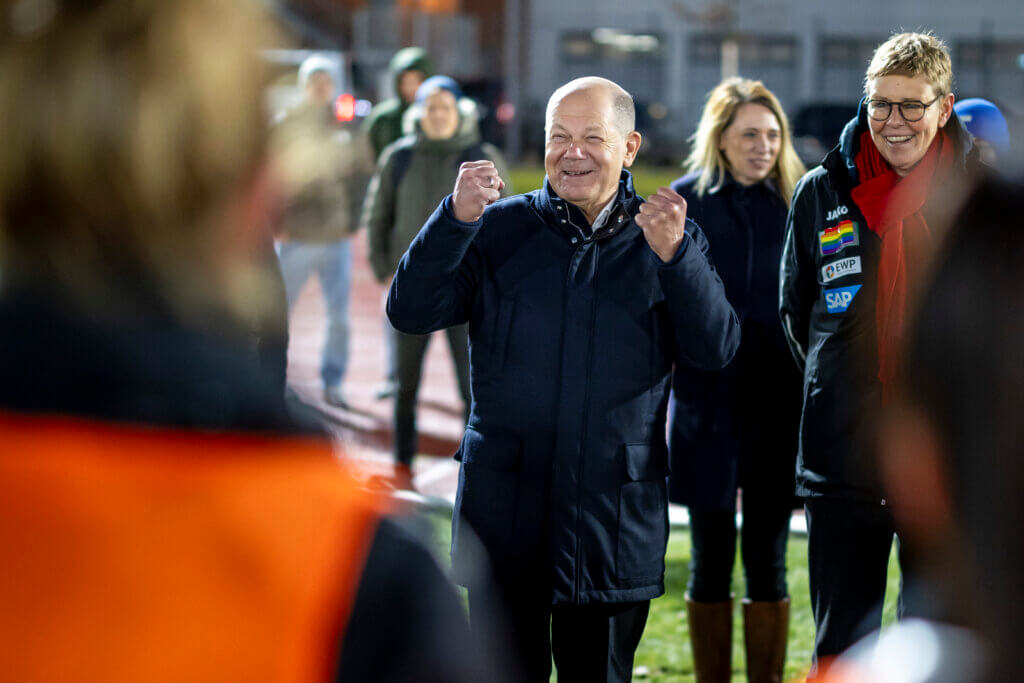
(594, 138)
(913, 107)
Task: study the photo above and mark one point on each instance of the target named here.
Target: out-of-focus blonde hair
(130, 128)
(913, 54)
(706, 155)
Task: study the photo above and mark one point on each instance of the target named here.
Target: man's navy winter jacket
(572, 340)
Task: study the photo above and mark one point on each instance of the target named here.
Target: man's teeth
(576, 172)
(899, 138)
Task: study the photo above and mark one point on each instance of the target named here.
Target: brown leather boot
(765, 630)
(711, 639)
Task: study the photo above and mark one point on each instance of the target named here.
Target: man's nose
(575, 151)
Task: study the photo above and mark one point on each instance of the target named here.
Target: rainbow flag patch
(838, 237)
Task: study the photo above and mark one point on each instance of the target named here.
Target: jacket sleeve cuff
(680, 253)
(449, 213)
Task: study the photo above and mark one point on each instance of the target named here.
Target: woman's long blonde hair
(706, 156)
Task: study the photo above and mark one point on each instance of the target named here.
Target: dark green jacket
(384, 124)
(395, 212)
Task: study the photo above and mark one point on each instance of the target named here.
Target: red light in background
(345, 107)
(506, 112)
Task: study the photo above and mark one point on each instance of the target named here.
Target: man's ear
(632, 147)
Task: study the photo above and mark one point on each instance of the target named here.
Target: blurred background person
(162, 516)
(408, 68)
(413, 176)
(986, 124)
(724, 434)
(315, 161)
(952, 459)
(860, 228)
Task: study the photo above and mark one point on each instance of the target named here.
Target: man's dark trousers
(589, 643)
(848, 556)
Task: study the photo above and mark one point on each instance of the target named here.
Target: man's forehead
(582, 106)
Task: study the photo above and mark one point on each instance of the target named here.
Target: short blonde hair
(913, 54)
(130, 127)
(722, 103)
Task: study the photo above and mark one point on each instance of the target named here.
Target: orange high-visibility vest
(139, 554)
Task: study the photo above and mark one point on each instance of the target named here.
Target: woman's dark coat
(827, 304)
(738, 426)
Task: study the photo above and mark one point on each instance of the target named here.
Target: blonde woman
(736, 428)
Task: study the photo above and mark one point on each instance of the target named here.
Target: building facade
(670, 53)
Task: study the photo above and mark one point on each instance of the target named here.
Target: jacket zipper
(583, 429)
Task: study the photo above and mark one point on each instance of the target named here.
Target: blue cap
(985, 122)
(435, 83)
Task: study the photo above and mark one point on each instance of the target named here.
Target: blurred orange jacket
(140, 554)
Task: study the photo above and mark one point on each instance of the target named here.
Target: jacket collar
(567, 217)
(842, 157)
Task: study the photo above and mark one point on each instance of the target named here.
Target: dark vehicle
(816, 129)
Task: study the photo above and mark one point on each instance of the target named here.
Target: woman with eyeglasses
(860, 231)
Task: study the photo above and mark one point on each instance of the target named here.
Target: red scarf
(892, 208)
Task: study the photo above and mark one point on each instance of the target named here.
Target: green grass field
(664, 654)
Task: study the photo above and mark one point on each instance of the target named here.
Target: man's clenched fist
(477, 186)
(663, 219)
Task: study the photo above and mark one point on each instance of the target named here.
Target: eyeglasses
(910, 110)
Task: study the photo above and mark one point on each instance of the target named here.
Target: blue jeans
(332, 262)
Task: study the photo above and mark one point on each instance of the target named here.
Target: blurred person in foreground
(737, 428)
(952, 458)
(987, 125)
(408, 68)
(162, 517)
(860, 229)
(579, 296)
(315, 162)
(413, 176)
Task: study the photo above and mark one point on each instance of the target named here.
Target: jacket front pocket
(643, 514)
(487, 497)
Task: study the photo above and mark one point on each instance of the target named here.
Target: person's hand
(477, 186)
(663, 219)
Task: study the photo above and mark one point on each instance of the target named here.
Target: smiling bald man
(580, 297)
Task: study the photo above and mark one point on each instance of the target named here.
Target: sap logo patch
(838, 237)
(838, 300)
(840, 268)
(835, 213)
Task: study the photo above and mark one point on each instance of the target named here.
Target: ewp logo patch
(839, 299)
(840, 268)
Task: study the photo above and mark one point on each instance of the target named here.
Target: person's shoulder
(684, 185)
(812, 181)
(509, 207)
(382, 111)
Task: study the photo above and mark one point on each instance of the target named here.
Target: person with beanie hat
(986, 123)
(318, 164)
(414, 174)
(409, 67)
